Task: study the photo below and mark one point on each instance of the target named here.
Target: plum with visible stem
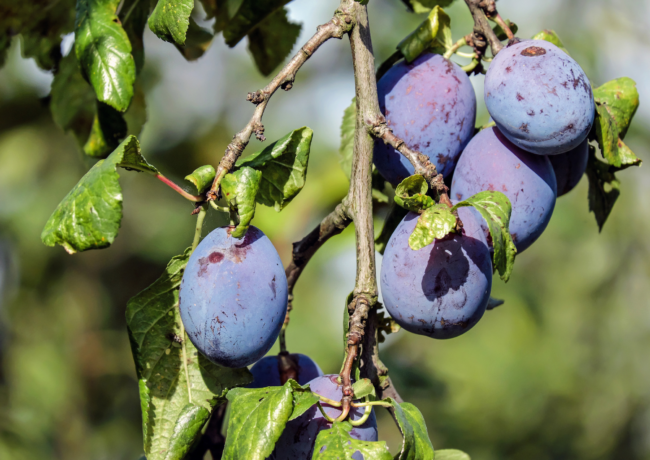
(233, 297)
(297, 440)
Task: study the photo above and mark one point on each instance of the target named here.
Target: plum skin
(233, 297)
(492, 162)
(431, 105)
(441, 290)
(539, 97)
(569, 167)
(266, 372)
(298, 438)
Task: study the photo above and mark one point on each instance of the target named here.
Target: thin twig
(335, 28)
(482, 29)
(303, 250)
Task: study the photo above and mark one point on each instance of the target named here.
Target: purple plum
(492, 162)
(569, 167)
(441, 290)
(299, 436)
(233, 297)
(539, 97)
(266, 372)
(430, 104)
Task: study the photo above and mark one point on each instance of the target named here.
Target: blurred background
(561, 371)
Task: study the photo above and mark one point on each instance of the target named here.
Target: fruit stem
(322, 411)
(363, 418)
(199, 226)
(372, 403)
(177, 188)
(331, 402)
(455, 47)
(471, 66)
(504, 25)
(216, 207)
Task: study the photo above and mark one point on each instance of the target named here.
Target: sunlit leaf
(337, 444)
(171, 19)
(434, 223)
(202, 178)
(416, 444)
(434, 32)
(240, 189)
(551, 37)
(411, 194)
(346, 150)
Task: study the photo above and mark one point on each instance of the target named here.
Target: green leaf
(197, 42)
(178, 385)
(424, 6)
(363, 388)
(348, 125)
(240, 189)
(72, 102)
(494, 303)
(337, 444)
(604, 187)
(435, 31)
(450, 454)
(249, 15)
(614, 151)
(257, 419)
(495, 208)
(411, 194)
(501, 34)
(393, 219)
(620, 99)
(109, 128)
(283, 165)
(272, 41)
(133, 15)
(416, 444)
(171, 19)
(90, 215)
(219, 9)
(303, 399)
(202, 178)
(435, 222)
(104, 52)
(551, 37)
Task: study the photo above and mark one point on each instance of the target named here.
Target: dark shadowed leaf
(434, 32)
(178, 385)
(249, 15)
(551, 37)
(133, 15)
(337, 444)
(494, 303)
(501, 34)
(240, 189)
(272, 41)
(202, 178)
(136, 115)
(434, 223)
(348, 124)
(219, 9)
(303, 399)
(104, 52)
(257, 419)
(424, 6)
(90, 215)
(451, 454)
(416, 444)
(495, 208)
(411, 194)
(604, 187)
(283, 165)
(108, 129)
(170, 20)
(197, 42)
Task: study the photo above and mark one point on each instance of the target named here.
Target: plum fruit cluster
(233, 297)
(542, 104)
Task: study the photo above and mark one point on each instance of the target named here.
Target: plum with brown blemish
(569, 167)
(539, 97)
(492, 162)
(267, 371)
(431, 105)
(233, 297)
(441, 290)
(299, 436)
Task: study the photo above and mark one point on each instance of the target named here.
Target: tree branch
(338, 26)
(303, 250)
(482, 29)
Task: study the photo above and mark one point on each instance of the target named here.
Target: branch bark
(338, 26)
(482, 29)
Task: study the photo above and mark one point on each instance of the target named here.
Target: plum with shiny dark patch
(441, 290)
(267, 371)
(431, 105)
(233, 297)
(297, 440)
(492, 162)
(569, 167)
(539, 97)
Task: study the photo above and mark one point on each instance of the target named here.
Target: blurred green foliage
(558, 372)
